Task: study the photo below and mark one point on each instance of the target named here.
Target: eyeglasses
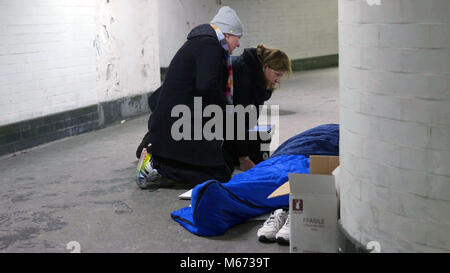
(278, 74)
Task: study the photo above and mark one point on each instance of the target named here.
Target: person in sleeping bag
(200, 71)
(256, 74)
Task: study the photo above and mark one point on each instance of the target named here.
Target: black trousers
(189, 174)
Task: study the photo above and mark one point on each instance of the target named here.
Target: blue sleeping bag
(216, 206)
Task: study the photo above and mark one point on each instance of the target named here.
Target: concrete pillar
(395, 123)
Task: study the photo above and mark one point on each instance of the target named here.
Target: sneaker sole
(283, 241)
(264, 239)
(144, 143)
(158, 183)
(143, 183)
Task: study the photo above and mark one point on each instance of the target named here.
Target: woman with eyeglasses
(257, 72)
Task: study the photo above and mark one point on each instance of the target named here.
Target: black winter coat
(249, 88)
(198, 69)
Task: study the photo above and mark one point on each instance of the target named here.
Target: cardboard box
(313, 206)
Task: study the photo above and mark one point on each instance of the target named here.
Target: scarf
(223, 43)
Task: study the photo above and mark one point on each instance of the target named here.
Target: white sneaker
(267, 233)
(145, 173)
(282, 235)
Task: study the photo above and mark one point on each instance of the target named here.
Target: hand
(245, 163)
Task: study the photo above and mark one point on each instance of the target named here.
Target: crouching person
(256, 74)
(200, 70)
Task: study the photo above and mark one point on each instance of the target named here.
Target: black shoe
(144, 143)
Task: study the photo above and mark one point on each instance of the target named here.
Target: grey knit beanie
(228, 21)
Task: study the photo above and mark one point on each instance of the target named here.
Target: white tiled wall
(55, 55)
(395, 130)
(61, 55)
(47, 63)
(176, 19)
(303, 29)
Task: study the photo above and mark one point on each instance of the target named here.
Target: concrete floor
(82, 188)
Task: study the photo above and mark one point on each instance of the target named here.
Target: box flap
(312, 183)
(282, 190)
(320, 164)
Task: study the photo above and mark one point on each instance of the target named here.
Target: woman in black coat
(256, 74)
(199, 69)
